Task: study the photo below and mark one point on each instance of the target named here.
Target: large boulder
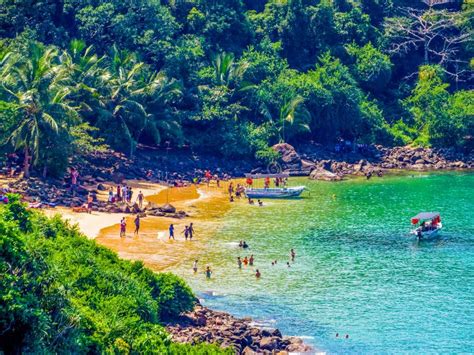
(288, 153)
(325, 175)
(168, 208)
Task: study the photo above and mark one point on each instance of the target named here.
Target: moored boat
(274, 192)
(428, 224)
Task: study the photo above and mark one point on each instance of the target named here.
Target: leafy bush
(61, 292)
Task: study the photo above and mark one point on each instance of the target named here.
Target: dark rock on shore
(206, 325)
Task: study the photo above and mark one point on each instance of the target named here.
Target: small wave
(212, 294)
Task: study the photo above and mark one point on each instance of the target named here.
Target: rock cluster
(205, 325)
(322, 164)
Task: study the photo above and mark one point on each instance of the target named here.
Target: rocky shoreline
(320, 164)
(206, 325)
(316, 161)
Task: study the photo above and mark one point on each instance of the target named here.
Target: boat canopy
(424, 216)
(271, 176)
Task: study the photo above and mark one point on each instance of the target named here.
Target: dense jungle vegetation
(232, 77)
(62, 293)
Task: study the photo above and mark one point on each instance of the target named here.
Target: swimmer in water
(245, 245)
(288, 264)
(257, 274)
(208, 272)
(260, 203)
(292, 254)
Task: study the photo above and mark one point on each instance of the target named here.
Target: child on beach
(186, 232)
(123, 227)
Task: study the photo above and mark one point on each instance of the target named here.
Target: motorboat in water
(271, 192)
(428, 225)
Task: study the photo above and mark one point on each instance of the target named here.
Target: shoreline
(202, 323)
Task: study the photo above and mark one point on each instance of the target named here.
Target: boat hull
(289, 192)
(426, 235)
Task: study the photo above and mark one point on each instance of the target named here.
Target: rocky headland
(206, 325)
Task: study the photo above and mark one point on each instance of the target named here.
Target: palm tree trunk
(26, 163)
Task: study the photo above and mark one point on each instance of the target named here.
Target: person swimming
(245, 245)
(260, 203)
(251, 202)
(241, 244)
(288, 264)
(257, 274)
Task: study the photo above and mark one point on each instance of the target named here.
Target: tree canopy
(229, 77)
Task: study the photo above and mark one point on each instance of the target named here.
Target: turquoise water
(356, 271)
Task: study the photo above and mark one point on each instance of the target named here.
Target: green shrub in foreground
(60, 292)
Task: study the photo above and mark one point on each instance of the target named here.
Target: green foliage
(213, 73)
(60, 292)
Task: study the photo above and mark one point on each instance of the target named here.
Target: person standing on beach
(292, 254)
(123, 227)
(119, 196)
(195, 266)
(130, 194)
(74, 176)
(191, 231)
(137, 224)
(140, 199)
(231, 188)
(90, 199)
(186, 232)
(171, 229)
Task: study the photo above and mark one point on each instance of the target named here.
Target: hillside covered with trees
(232, 77)
(62, 293)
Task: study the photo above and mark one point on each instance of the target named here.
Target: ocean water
(356, 271)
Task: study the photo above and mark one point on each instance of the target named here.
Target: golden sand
(152, 245)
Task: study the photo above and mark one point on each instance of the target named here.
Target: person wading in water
(137, 224)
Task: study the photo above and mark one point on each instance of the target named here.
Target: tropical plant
(293, 112)
(37, 88)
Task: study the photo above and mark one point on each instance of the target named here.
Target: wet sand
(152, 246)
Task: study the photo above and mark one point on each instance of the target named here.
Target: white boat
(274, 192)
(284, 192)
(428, 225)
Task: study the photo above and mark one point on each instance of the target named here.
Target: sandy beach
(203, 204)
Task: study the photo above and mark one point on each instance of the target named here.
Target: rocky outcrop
(205, 325)
(288, 154)
(325, 175)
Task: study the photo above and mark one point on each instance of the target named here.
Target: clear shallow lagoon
(356, 271)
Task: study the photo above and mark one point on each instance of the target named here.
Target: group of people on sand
(238, 190)
(122, 193)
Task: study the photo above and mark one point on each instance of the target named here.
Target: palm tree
(293, 111)
(36, 87)
(226, 70)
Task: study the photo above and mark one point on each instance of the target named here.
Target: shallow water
(356, 271)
